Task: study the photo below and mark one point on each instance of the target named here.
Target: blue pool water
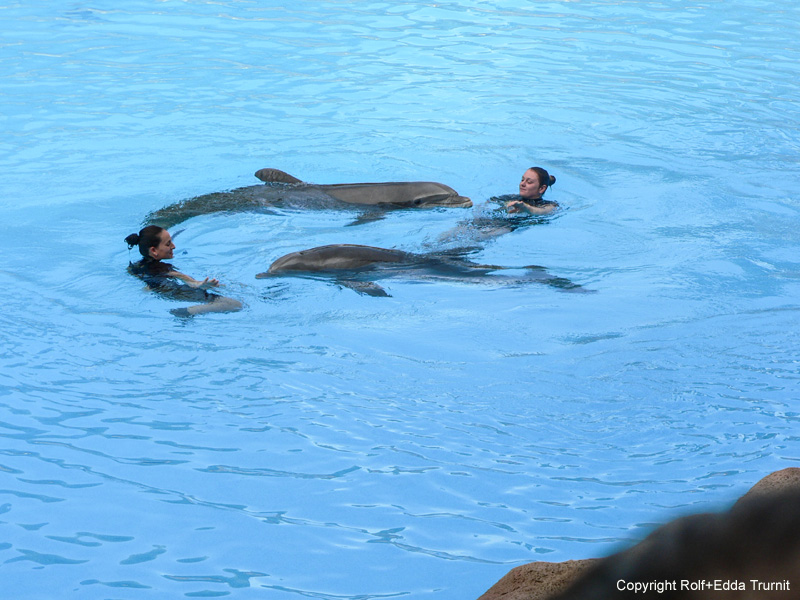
(329, 445)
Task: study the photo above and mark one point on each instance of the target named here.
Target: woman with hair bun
(155, 244)
(534, 184)
(507, 213)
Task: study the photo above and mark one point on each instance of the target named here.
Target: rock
(752, 551)
(785, 479)
(537, 580)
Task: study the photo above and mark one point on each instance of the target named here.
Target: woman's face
(164, 248)
(529, 187)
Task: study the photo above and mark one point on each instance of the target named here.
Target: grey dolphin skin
(282, 190)
(356, 267)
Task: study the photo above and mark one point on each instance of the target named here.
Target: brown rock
(538, 580)
(779, 481)
(758, 539)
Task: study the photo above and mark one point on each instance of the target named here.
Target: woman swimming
(155, 244)
(534, 184)
(516, 211)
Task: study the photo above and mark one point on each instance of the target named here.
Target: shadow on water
(359, 267)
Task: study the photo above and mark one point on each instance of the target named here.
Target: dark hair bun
(552, 179)
(132, 240)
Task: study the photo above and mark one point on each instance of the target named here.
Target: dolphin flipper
(365, 288)
(540, 274)
(276, 176)
(367, 217)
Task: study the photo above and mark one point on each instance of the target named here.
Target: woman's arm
(516, 206)
(192, 282)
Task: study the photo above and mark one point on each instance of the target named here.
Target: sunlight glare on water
(326, 444)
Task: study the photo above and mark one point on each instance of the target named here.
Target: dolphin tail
(276, 176)
(174, 214)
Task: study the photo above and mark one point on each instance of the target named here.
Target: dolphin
(356, 267)
(282, 190)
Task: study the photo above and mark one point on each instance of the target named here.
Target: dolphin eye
(417, 202)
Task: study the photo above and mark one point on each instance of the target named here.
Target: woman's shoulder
(151, 268)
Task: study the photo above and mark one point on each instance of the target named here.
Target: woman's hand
(514, 206)
(517, 206)
(202, 285)
(207, 283)
(193, 283)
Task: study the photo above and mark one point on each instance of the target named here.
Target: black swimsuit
(510, 222)
(154, 274)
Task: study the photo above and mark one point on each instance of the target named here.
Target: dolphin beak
(448, 200)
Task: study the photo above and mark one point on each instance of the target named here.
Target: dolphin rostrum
(286, 191)
(356, 267)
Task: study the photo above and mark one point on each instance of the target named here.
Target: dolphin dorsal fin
(276, 176)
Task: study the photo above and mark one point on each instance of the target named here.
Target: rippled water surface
(330, 445)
